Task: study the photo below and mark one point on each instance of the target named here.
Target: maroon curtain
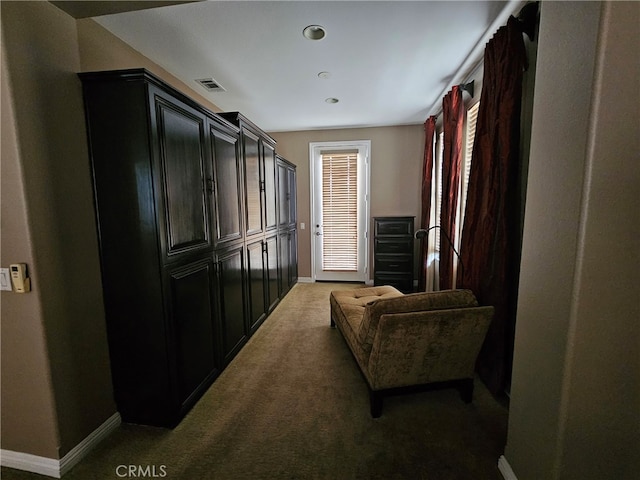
(452, 121)
(492, 232)
(427, 176)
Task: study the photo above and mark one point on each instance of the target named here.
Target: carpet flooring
(293, 405)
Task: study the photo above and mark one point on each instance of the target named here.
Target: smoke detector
(210, 85)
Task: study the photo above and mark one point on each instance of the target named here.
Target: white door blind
(340, 211)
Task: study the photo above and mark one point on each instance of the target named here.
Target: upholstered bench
(401, 342)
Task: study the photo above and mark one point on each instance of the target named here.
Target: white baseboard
(57, 468)
(505, 469)
(30, 463)
(81, 450)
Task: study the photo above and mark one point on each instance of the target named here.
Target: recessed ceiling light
(314, 32)
(332, 100)
(324, 75)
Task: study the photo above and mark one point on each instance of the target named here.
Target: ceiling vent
(210, 85)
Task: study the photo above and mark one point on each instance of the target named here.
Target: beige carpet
(293, 405)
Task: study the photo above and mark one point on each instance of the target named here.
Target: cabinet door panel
(253, 179)
(231, 297)
(227, 187)
(256, 273)
(192, 310)
(293, 257)
(283, 262)
(273, 293)
(291, 196)
(269, 156)
(283, 192)
(180, 136)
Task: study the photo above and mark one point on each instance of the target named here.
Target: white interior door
(340, 210)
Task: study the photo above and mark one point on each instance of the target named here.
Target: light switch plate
(5, 279)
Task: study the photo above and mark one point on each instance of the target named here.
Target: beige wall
(396, 166)
(56, 381)
(602, 394)
(575, 400)
(66, 302)
(27, 399)
(101, 50)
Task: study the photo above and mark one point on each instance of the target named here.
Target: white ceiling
(390, 61)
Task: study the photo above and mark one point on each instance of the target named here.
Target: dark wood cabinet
(291, 196)
(256, 271)
(287, 225)
(258, 156)
(252, 183)
(283, 265)
(393, 252)
(192, 307)
(270, 194)
(231, 295)
(187, 220)
(182, 170)
(292, 271)
(287, 213)
(270, 202)
(226, 186)
(262, 271)
(150, 165)
(271, 263)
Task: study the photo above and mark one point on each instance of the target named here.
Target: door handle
(318, 233)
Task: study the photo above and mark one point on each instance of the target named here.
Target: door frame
(315, 149)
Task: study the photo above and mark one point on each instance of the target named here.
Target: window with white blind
(436, 195)
(470, 135)
(340, 211)
(437, 191)
(465, 170)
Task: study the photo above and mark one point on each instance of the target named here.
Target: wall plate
(5, 279)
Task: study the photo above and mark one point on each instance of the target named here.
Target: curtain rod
(527, 16)
(468, 87)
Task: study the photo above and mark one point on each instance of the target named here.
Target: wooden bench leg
(375, 398)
